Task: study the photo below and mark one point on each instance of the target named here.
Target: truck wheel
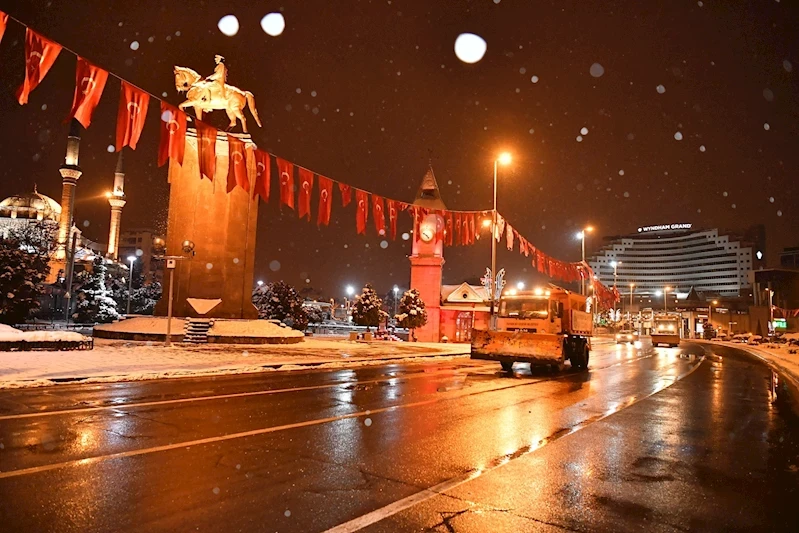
(507, 366)
(579, 358)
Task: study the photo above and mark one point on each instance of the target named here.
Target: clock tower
(427, 256)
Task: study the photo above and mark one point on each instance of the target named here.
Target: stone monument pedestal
(222, 226)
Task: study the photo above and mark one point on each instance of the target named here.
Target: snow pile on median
(9, 334)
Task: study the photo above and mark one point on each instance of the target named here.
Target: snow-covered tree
(143, 297)
(280, 301)
(315, 314)
(21, 278)
(367, 310)
(412, 313)
(94, 301)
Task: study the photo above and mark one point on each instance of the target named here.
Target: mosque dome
(33, 205)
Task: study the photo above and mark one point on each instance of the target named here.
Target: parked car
(627, 335)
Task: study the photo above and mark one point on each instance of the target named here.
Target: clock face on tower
(427, 229)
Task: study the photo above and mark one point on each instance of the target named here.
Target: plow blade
(533, 348)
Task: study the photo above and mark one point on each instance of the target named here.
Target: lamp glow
(505, 158)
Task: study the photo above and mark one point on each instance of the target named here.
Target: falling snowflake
(470, 48)
(534, 79)
(134, 45)
(229, 25)
(660, 89)
(596, 70)
(274, 265)
(768, 94)
(766, 126)
(584, 131)
(273, 24)
(678, 136)
(702, 148)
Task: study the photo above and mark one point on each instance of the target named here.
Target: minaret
(117, 200)
(70, 173)
(427, 256)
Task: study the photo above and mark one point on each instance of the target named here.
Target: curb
(233, 371)
(787, 377)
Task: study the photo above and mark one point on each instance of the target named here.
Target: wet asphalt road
(661, 439)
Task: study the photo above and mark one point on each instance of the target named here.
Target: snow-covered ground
(777, 354)
(9, 334)
(131, 361)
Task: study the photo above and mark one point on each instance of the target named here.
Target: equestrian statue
(207, 94)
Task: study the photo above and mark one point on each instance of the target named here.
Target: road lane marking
(274, 429)
(228, 396)
(356, 524)
(117, 407)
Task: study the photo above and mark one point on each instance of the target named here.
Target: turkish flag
(361, 210)
(263, 175)
(392, 217)
(40, 54)
(346, 194)
(304, 198)
(89, 85)
(458, 229)
(286, 172)
(133, 103)
(440, 226)
(472, 228)
(3, 23)
(448, 229)
(325, 201)
(509, 236)
(378, 213)
(465, 229)
(173, 134)
(206, 149)
(237, 164)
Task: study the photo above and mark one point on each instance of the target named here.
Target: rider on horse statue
(220, 75)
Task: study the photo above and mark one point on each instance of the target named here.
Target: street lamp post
(581, 236)
(666, 298)
(396, 292)
(504, 158)
(710, 312)
(615, 265)
(131, 259)
(770, 310)
(630, 310)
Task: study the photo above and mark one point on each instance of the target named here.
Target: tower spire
(116, 199)
(428, 195)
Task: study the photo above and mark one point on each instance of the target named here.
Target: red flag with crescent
(237, 164)
(325, 201)
(133, 103)
(3, 23)
(173, 134)
(89, 85)
(458, 232)
(378, 213)
(304, 197)
(346, 194)
(472, 228)
(392, 217)
(262, 175)
(40, 54)
(361, 210)
(448, 229)
(206, 149)
(285, 171)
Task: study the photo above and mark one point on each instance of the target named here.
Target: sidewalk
(133, 361)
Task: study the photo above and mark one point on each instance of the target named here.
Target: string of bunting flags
(455, 228)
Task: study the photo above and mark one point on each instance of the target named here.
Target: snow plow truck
(541, 327)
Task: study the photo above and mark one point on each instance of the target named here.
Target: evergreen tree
(280, 301)
(95, 304)
(21, 277)
(412, 313)
(367, 310)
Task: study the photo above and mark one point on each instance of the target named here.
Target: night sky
(367, 92)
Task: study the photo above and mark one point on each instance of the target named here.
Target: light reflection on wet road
(621, 447)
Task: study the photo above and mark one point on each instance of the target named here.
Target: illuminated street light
(581, 237)
(520, 285)
(350, 290)
(131, 259)
(505, 159)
